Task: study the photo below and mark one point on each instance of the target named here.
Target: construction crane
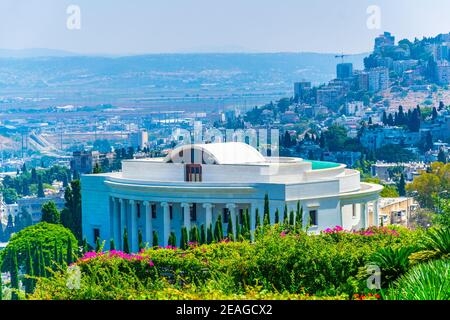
(342, 56)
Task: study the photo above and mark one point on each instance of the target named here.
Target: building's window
(153, 211)
(171, 212)
(138, 209)
(193, 211)
(313, 217)
(226, 214)
(354, 211)
(96, 234)
(193, 173)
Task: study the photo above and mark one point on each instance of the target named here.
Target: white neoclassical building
(196, 183)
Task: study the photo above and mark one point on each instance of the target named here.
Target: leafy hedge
(281, 264)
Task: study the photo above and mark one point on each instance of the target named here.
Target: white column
(341, 217)
(208, 215)
(187, 216)
(133, 227)
(148, 223)
(364, 216)
(376, 213)
(123, 221)
(232, 209)
(253, 208)
(166, 223)
(116, 222)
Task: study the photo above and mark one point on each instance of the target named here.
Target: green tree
(402, 186)
(85, 246)
(112, 245)
(98, 245)
(126, 246)
(238, 232)
(299, 217)
(10, 195)
(97, 169)
(230, 234)
(210, 235)
(50, 213)
(184, 238)
(71, 214)
(266, 218)
(155, 239)
(69, 259)
(291, 218)
(218, 229)
(202, 234)
(40, 192)
(277, 216)
(29, 272)
(140, 241)
(14, 272)
(40, 235)
(257, 219)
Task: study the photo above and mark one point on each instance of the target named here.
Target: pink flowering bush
(280, 260)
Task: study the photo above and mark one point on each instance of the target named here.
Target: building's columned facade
(195, 184)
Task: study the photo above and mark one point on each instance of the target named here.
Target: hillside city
(389, 120)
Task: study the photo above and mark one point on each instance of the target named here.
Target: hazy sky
(149, 26)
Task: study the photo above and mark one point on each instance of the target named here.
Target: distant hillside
(74, 79)
(34, 53)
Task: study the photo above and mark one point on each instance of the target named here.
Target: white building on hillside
(195, 184)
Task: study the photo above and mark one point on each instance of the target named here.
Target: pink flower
(283, 234)
(151, 264)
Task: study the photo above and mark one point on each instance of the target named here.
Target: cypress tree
(202, 234)
(184, 238)
(173, 238)
(218, 229)
(126, 246)
(209, 236)
(1, 289)
(245, 225)
(140, 241)
(401, 186)
(43, 262)
(285, 214)
(230, 234)
(112, 245)
(85, 246)
(238, 231)
(291, 218)
(55, 254)
(69, 252)
(195, 234)
(266, 211)
(29, 281)
(155, 239)
(37, 262)
(14, 271)
(299, 217)
(98, 246)
(277, 216)
(258, 219)
(61, 257)
(40, 191)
